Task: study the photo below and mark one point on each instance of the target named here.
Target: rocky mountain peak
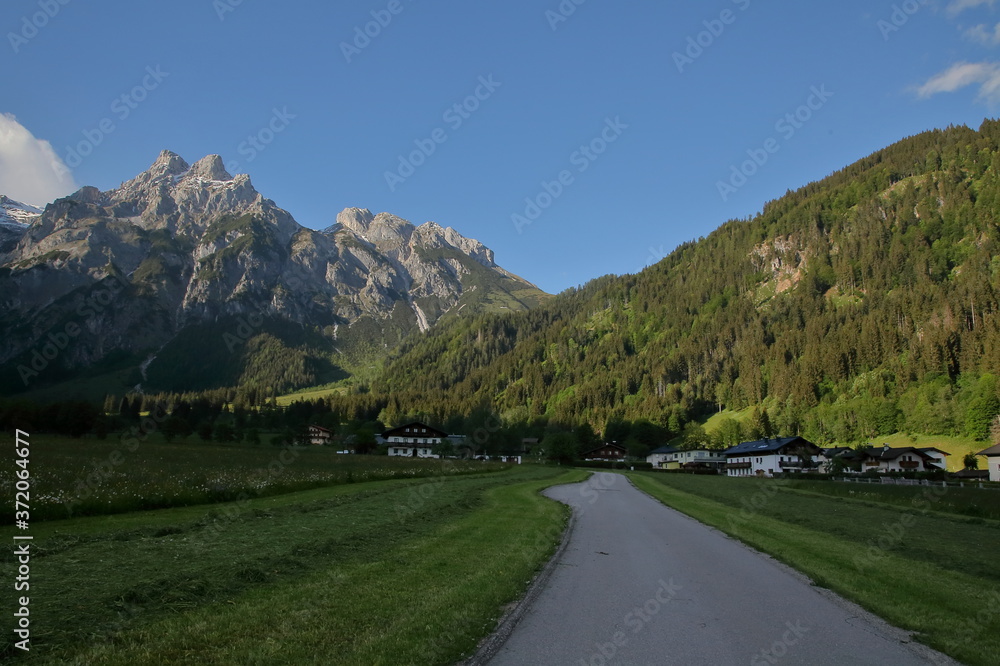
(168, 163)
(184, 197)
(355, 219)
(209, 168)
(388, 230)
(16, 212)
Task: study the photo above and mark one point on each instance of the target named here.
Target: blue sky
(585, 110)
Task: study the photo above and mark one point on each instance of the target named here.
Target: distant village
(765, 458)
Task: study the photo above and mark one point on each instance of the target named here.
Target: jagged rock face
(15, 218)
(192, 243)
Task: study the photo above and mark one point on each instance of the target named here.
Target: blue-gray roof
(665, 449)
(765, 446)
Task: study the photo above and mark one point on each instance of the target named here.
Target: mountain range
(185, 277)
(864, 304)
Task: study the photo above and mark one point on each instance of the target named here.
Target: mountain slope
(15, 218)
(191, 276)
(856, 306)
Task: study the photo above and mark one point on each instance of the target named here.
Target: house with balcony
(939, 457)
(320, 436)
(414, 440)
(663, 457)
(770, 457)
(607, 452)
(888, 460)
(669, 457)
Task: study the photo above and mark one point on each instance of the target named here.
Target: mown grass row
(921, 569)
(72, 478)
(970, 501)
(399, 571)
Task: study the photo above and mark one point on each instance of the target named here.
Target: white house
(661, 457)
(901, 459)
(938, 457)
(992, 461)
(669, 457)
(319, 436)
(414, 440)
(768, 457)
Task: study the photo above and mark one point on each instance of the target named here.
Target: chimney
(885, 448)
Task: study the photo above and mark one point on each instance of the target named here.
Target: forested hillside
(860, 305)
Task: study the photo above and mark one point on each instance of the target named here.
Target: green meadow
(921, 557)
(404, 570)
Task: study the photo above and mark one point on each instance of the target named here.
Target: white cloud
(30, 170)
(961, 75)
(956, 7)
(984, 34)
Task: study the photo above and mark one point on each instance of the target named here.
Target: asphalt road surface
(640, 583)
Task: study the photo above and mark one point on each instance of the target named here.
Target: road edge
(490, 645)
(878, 625)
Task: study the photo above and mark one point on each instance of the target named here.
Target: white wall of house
(766, 465)
(763, 465)
(897, 466)
(993, 463)
(684, 457)
(658, 459)
(404, 446)
(700, 456)
(939, 459)
(405, 451)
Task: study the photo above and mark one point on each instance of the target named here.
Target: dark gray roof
(890, 453)
(665, 449)
(766, 446)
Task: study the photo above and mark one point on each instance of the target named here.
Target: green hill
(857, 306)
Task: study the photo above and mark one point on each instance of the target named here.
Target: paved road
(639, 583)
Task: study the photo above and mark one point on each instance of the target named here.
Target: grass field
(311, 394)
(912, 560)
(92, 477)
(397, 571)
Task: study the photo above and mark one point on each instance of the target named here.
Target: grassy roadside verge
(385, 572)
(898, 564)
